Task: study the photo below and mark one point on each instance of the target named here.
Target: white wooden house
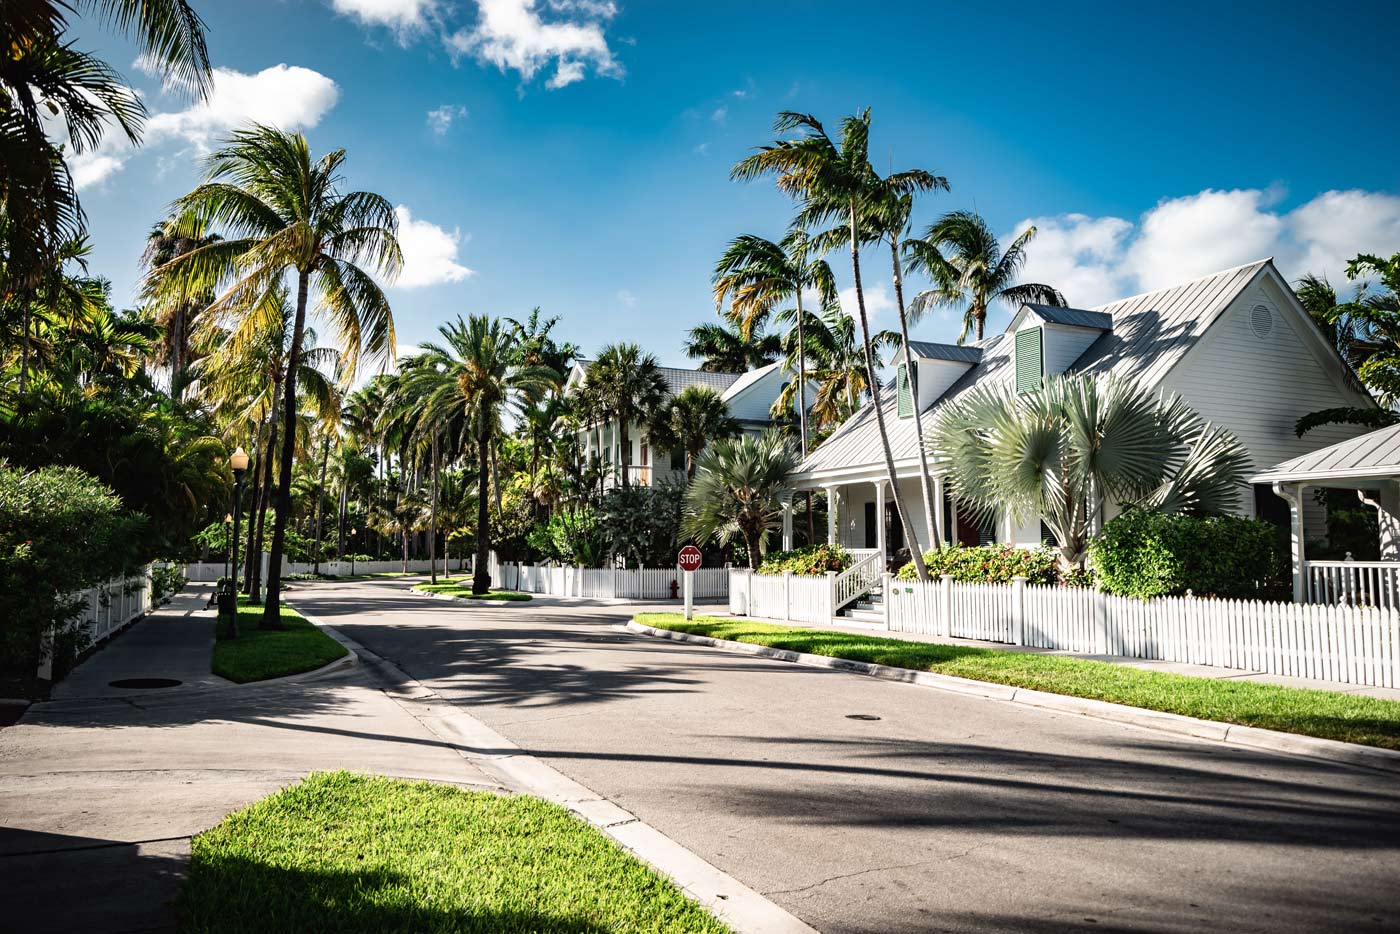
(1236, 345)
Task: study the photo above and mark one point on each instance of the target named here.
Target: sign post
(689, 559)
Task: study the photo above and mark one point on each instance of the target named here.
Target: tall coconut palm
(472, 376)
(731, 349)
(839, 182)
(757, 275)
(739, 491)
(284, 215)
(178, 314)
(965, 260)
(692, 419)
(1064, 451)
(625, 385)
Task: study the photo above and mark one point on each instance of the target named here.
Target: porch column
(880, 518)
(831, 516)
(1292, 494)
(787, 526)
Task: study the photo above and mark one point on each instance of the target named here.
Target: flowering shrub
(988, 564)
(812, 559)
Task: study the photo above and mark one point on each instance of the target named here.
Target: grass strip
(463, 589)
(259, 654)
(353, 853)
(1350, 718)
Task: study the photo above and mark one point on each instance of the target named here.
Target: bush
(1148, 554)
(812, 559)
(61, 531)
(569, 538)
(988, 564)
(166, 580)
(641, 524)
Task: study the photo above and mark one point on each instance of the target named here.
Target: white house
(749, 397)
(1237, 346)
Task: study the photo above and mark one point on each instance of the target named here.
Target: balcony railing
(1354, 583)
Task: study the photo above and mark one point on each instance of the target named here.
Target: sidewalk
(101, 788)
(1179, 668)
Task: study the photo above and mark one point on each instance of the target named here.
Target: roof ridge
(1181, 285)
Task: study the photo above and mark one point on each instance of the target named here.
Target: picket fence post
(945, 605)
(787, 596)
(1100, 623)
(1018, 610)
(831, 594)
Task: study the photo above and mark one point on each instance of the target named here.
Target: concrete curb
(1331, 750)
(739, 906)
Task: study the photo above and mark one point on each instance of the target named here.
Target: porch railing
(1354, 583)
(860, 578)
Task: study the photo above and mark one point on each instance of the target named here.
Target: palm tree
(692, 419)
(178, 315)
(731, 350)
(284, 215)
(838, 366)
(757, 275)
(1065, 450)
(738, 491)
(625, 385)
(965, 260)
(43, 76)
(839, 182)
(472, 376)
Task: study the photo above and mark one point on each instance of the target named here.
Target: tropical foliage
(739, 490)
(1145, 553)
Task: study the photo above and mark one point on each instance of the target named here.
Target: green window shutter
(904, 392)
(1029, 366)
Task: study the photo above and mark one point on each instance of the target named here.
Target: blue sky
(574, 154)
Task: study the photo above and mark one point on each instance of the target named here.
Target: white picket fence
(787, 596)
(213, 570)
(104, 611)
(1367, 583)
(609, 583)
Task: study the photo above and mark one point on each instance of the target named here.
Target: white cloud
(626, 297)
(285, 96)
(440, 119)
(403, 16)
(1093, 260)
(719, 114)
(512, 35)
(879, 299)
(429, 252)
(94, 167)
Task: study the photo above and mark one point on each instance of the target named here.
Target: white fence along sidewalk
(609, 583)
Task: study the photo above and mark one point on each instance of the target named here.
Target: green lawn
(1347, 717)
(259, 654)
(350, 853)
(463, 588)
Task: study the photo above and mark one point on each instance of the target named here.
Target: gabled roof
(1372, 455)
(958, 353)
(677, 378)
(1151, 333)
(1074, 317)
(745, 380)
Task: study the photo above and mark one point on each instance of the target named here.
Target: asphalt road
(947, 813)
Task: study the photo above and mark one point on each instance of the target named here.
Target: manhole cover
(144, 683)
(861, 716)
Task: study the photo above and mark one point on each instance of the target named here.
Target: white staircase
(858, 590)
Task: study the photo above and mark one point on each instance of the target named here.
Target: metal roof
(745, 380)
(679, 378)
(1372, 455)
(1151, 333)
(958, 353)
(1075, 317)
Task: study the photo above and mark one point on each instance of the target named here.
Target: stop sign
(689, 558)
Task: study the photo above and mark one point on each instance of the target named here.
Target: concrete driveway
(947, 813)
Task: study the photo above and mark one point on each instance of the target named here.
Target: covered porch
(1370, 465)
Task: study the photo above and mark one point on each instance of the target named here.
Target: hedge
(1148, 554)
(988, 564)
(810, 560)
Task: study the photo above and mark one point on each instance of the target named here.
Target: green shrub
(166, 580)
(572, 538)
(1148, 554)
(812, 559)
(988, 564)
(61, 532)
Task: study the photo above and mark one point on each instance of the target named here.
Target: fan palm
(625, 385)
(1065, 450)
(283, 214)
(739, 490)
(178, 314)
(965, 260)
(730, 349)
(472, 376)
(695, 417)
(838, 183)
(757, 275)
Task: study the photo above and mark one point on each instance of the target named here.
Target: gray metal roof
(679, 378)
(958, 353)
(1151, 333)
(1372, 455)
(1075, 317)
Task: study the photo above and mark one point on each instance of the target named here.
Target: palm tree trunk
(342, 516)
(925, 482)
(272, 609)
(321, 503)
(481, 577)
(625, 452)
(24, 348)
(432, 530)
(255, 576)
(177, 354)
(915, 553)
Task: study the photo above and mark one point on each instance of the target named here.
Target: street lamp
(352, 552)
(238, 460)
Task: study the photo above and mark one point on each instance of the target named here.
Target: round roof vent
(1261, 321)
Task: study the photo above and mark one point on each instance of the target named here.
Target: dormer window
(1030, 359)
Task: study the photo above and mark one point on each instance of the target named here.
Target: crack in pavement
(862, 872)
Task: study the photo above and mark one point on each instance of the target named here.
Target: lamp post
(352, 552)
(238, 460)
